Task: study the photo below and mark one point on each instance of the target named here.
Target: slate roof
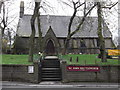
(59, 25)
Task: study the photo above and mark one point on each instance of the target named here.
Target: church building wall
(76, 45)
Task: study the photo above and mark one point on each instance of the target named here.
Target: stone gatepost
(64, 71)
(37, 71)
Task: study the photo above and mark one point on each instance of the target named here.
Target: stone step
(50, 68)
(51, 58)
(50, 63)
(51, 73)
(51, 76)
(51, 79)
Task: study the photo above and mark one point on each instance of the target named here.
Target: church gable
(50, 40)
(50, 34)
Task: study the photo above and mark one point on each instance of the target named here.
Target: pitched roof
(59, 25)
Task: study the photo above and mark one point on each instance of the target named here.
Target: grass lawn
(88, 59)
(83, 59)
(15, 59)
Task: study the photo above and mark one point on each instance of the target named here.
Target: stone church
(54, 31)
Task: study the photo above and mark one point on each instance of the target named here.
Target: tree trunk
(40, 34)
(66, 45)
(31, 49)
(0, 5)
(69, 29)
(4, 20)
(100, 35)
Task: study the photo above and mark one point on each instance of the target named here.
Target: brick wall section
(106, 74)
(20, 73)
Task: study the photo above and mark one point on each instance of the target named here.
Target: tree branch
(1, 3)
(11, 20)
(83, 19)
(73, 16)
(80, 5)
(109, 7)
(3, 21)
(67, 4)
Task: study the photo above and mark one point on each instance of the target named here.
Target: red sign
(83, 68)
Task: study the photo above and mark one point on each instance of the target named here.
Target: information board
(30, 69)
(83, 68)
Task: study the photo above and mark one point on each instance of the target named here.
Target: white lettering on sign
(76, 68)
(83, 68)
(70, 67)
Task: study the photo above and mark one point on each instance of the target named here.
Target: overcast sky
(59, 9)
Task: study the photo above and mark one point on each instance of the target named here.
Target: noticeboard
(30, 69)
(83, 68)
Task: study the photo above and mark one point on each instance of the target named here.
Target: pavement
(57, 84)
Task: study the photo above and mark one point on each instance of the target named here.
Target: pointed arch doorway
(50, 47)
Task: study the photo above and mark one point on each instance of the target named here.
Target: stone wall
(106, 74)
(20, 73)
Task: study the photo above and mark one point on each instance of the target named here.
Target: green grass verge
(15, 59)
(83, 59)
(88, 60)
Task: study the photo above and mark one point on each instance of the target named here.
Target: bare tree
(110, 15)
(36, 16)
(6, 19)
(6, 22)
(40, 33)
(32, 37)
(1, 3)
(100, 29)
(100, 36)
(3, 23)
(76, 5)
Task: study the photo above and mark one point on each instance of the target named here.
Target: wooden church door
(50, 48)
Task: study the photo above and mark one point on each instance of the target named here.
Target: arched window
(82, 46)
